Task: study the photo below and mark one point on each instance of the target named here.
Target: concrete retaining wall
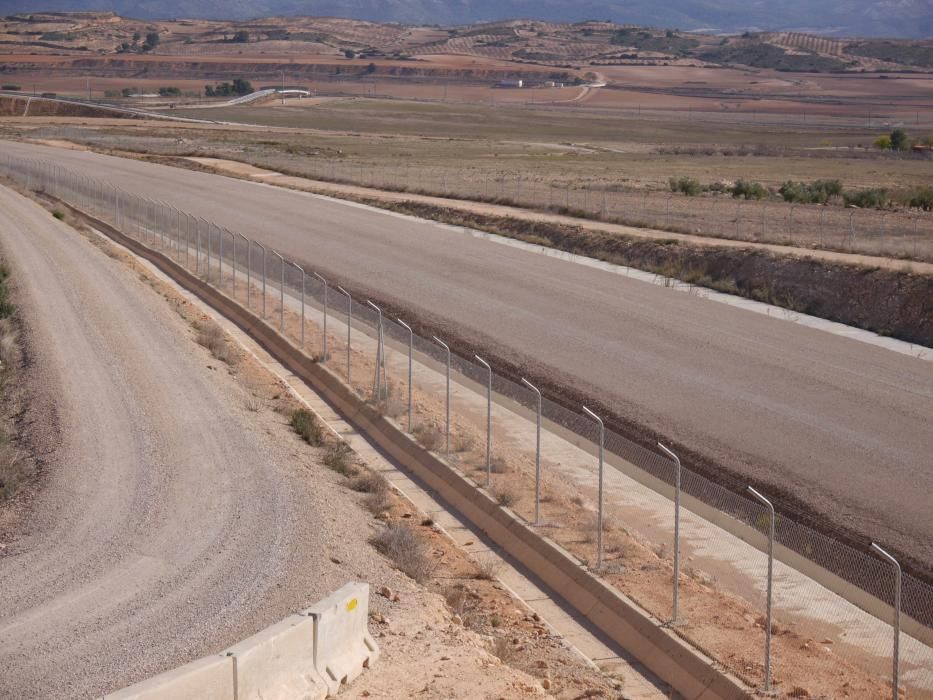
(687, 670)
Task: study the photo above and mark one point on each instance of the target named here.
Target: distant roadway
(846, 426)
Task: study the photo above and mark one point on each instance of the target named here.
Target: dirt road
(169, 524)
(841, 424)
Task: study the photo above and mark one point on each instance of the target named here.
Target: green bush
(883, 142)
(749, 190)
(817, 192)
(899, 141)
(871, 198)
(687, 185)
(922, 198)
(306, 425)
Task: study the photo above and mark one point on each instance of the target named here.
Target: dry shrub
(212, 337)
(498, 465)
(9, 347)
(378, 502)
(430, 437)
(406, 550)
(307, 426)
(502, 648)
(369, 482)
(463, 603)
(505, 497)
(463, 442)
(488, 568)
(338, 458)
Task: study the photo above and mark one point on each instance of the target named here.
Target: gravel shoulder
(170, 523)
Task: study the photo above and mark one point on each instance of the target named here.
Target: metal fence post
(897, 618)
(380, 356)
(411, 344)
(263, 249)
(249, 267)
(281, 292)
(767, 687)
(349, 319)
(488, 419)
(324, 343)
(599, 507)
(537, 453)
(301, 270)
(676, 459)
(447, 423)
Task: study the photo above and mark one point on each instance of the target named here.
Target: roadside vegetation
(15, 469)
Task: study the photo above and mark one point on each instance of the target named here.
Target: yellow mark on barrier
(351, 605)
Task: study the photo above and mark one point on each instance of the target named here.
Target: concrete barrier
(278, 663)
(343, 647)
(690, 672)
(307, 656)
(211, 678)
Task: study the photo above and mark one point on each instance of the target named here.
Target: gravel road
(170, 524)
(843, 425)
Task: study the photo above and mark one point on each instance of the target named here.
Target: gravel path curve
(170, 525)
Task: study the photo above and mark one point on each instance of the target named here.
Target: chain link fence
(900, 232)
(826, 594)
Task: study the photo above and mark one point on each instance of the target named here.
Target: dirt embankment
(37, 107)
(888, 302)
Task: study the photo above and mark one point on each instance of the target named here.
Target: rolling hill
(867, 18)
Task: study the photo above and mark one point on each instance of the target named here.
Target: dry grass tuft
(212, 337)
(339, 458)
(406, 550)
(369, 482)
(430, 437)
(307, 426)
(488, 568)
(505, 497)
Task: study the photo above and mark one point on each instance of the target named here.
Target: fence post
(669, 453)
(488, 419)
(301, 270)
(281, 293)
(447, 421)
(349, 319)
(249, 267)
(537, 453)
(897, 617)
(263, 249)
(767, 687)
(599, 507)
(411, 343)
(380, 358)
(324, 348)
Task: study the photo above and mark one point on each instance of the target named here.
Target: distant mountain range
(844, 18)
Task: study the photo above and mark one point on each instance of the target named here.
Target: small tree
(349, 53)
(883, 143)
(241, 37)
(152, 40)
(899, 140)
